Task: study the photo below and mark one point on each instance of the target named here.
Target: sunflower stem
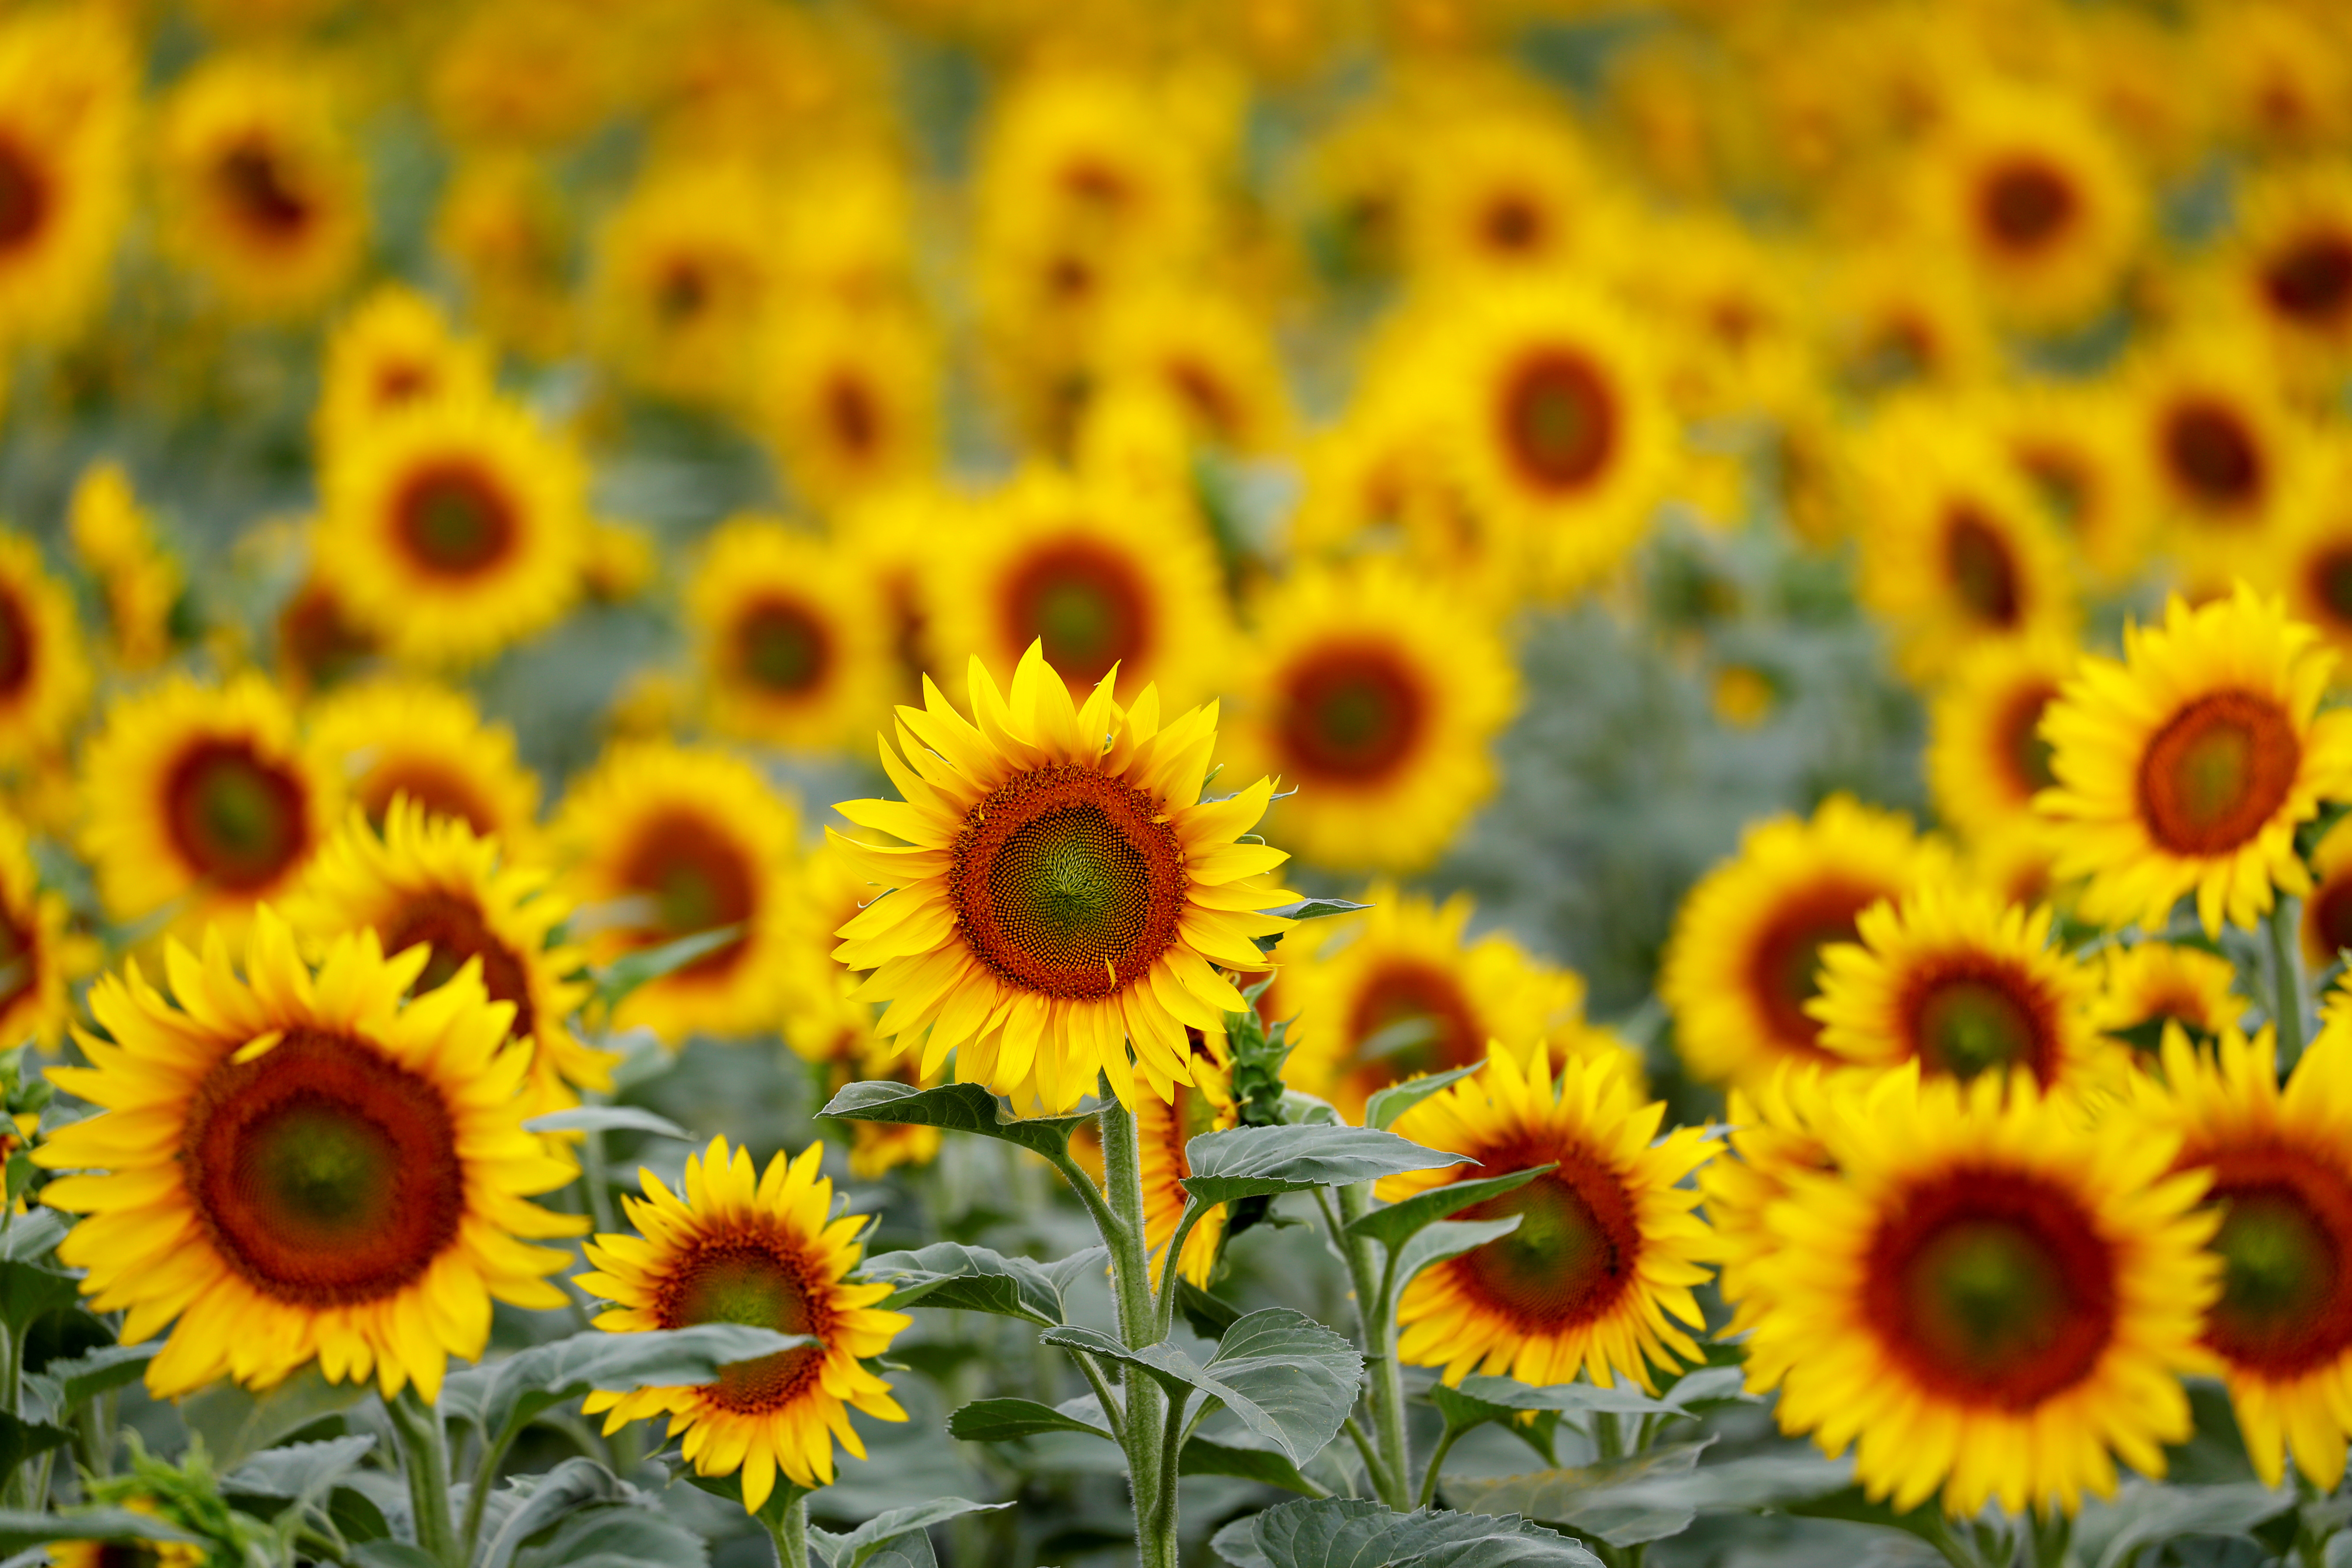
(1376, 1317)
(1436, 1460)
(1145, 1435)
(789, 1530)
(424, 1457)
(2286, 980)
(593, 1175)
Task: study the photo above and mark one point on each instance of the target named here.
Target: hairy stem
(1143, 1435)
(2287, 978)
(1436, 1462)
(1376, 1316)
(424, 1457)
(790, 1533)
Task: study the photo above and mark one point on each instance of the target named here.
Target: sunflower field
(1228, 784)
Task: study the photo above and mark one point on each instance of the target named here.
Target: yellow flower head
(393, 349)
(392, 738)
(791, 636)
(1986, 756)
(2165, 984)
(69, 84)
(36, 956)
(44, 672)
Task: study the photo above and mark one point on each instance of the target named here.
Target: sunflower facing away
(1984, 1296)
(1597, 1277)
(2188, 767)
(414, 737)
(44, 674)
(762, 1250)
(1061, 889)
(303, 1166)
(790, 635)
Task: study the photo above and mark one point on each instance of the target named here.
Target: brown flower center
(2309, 280)
(454, 928)
(1983, 570)
(2027, 205)
(1351, 712)
(1785, 964)
(1577, 1247)
(20, 957)
(2329, 576)
(2019, 731)
(239, 820)
(1558, 418)
(439, 789)
(24, 197)
(1087, 605)
(454, 519)
(853, 413)
(255, 183)
(1416, 1019)
(2213, 776)
(2212, 454)
(700, 877)
(763, 1282)
(19, 646)
(2331, 916)
(783, 647)
(1513, 224)
(318, 638)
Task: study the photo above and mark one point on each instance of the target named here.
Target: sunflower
(393, 349)
(1744, 956)
(526, 72)
(662, 841)
(824, 1022)
(2078, 448)
(318, 644)
(2231, 464)
(69, 81)
(2189, 766)
(1397, 992)
(414, 737)
(508, 235)
(44, 674)
(889, 540)
(1597, 1278)
(2309, 564)
(1774, 1136)
(2280, 1161)
(1379, 695)
(1103, 576)
(849, 398)
(1061, 889)
(685, 278)
(2280, 74)
(200, 799)
(431, 880)
(1986, 757)
(1379, 478)
(2148, 988)
(1213, 360)
(1502, 192)
(2328, 911)
(454, 527)
(1902, 315)
(303, 1166)
(262, 192)
(1555, 413)
(128, 1554)
(1162, 1128)
(790, 637)
(1963, 982)
(760, 1248)
(138, 581)
(36, 956)
(2290, 265)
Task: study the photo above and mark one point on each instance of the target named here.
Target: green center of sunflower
(16, 647)
(457, 933)
(782, 648)
(2214, 774)
(752, 1281)
(1983, 571)
(24, 197)
(453, 521)
(322, 1170)
(1987, 1293)
(256, 187)
(2310, 280)
(1559, 419)
(1573, 1254)
(1085, 604)
(2212, 455)
(237, 820)
(2286, 1302)
(2060, 479)
(2278, 1261)
(1351, 712)
(1965, 1025)
(2027, 203)
(1070, 883)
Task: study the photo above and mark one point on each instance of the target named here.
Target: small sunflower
(1963, 982)
(139, 581)
(432, 881)
(303, 1166)
(2231, 464)
(1210, 358)
(2308, 562)
(2327, 909)
(1597, 1278)
(318, 644)
(43, 673)
(790, 637)
(1379, 695)
(2163, 984)
(69, 82)
(508, 235)
(889, 540)
(2291, 264)
(1904, 316)
(2078, 446)
(849, 397)
(1774, 1139)
(36, 956)
(428, 741)
(263, 193)
(822, 1021)
(1746, 954)
(1379, 479)
(2280, 1161)
(662, 841)
(1502, 192)
(395, 348)
(127, 1554)
(761, 1249)
(2188, 767)
(1984, 1296)
(200, 797)
(1162, 1128)
(1061, 889)
(685, 278)
(1986, 757)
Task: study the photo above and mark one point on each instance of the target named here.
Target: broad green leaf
(1855, 1506)
(87, 1377)
(968, 1278)
(1607, 1499)
(302, 1471)
(1348, 1533)
(1067, 1271)
(503, 1396)
(1005, 1420)
(21, 1440)
(1259, 1162)
(954, 1108)
(1449, 1239)
(1318, 909)
(1386, 1105)
(388, 1553)
(1283, 1375)
(1509, 1394)
(622, 1537)
(32, 1237)
(1393, 1225)
(32, 1290)
(609, 1118)
(538, 1501)
(2144, 1514)
(631, 970)
(20, 1528)
(1201, 1456)
(235, 1423)
(862, 1544)
(1208, 1317)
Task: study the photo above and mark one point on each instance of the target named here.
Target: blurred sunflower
(1597, 1278)
(889, 540)
(1103, 577)
(1162, 1128)
(1963, 982)
(432, 881)
(850, 399)
(1381, 479)
(529, 72)
(69, 84)
(1744, 958)
(2308, 563)
(318, 644)
(1774, 1138)
(1903, 316)
(427, 742)
(683, 280)
(1502, 192)
(36, 955)
(662, 841)
(453, 528)
(2327, 908)
(2280, 73)
(395, 348)
(2148, 987)
(1378, 695)
(1213, 360)
(303, 1166)
(1061, 889)
(2230, 461)
(1984, 1296)
(765, 1250)
(2189, 766)
(2290, 265)
(201, 802)
(43, 673)
(508, 235)
(789, 636)
(2078, 448)
(263, 194)
(140, 583)
(1986, 758)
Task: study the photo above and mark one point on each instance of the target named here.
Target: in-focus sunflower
(453, 528)
(2281, 1164)
(43, 673)
(69, 82)
(302, 1166)
(685, 276)
(433, 881)
(1986, 1296)
(1986, 758)
(849, 397)
(199, 797)
(1061, 889)
(1102, 576)
(1162, 1128)
(263, 193)
(2148, 987)
(1745, 957)
(661, 841)
(140, 583)
(761, 1249)
(1397, 992)
(2328, 911)
(1379, 695)
(2230, 462)
(429, 743)
(790, 637)
(1596, 1281)
(2189, 766)
(393, 349)
(1962, 982)
(36, 956)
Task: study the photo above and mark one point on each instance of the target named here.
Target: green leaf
(538, 1501)
(302, 1471)
(1283, 1375)
(1348, 1533)
(2143, 1514)
(860, 1545)
(29, 1287)
(631, 970)
(1259, 1162)
(110, 1367)
(1007, 1420)
(1208, 1317)
(1606, 1499)
(1450, 1238)
(503, 1396)
(33, 1236)
(21, 1528)
(623, 1537)
(608, 1119)
(1395, 1223)
(392, 1554)
(1856, 1507)
(235, 1423)
(1305, 909)
(1386, 1105)
(1200, 1456)
(970, 1279)
(21, 1440)
(954, 1108)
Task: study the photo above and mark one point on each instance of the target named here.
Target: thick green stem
(424, 1456)
(593, 1177)
(2286, 980)
(1194, 1212)
(790, 1533)
(1144, 1437)
(1376, 1316)
(1436, 1462)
